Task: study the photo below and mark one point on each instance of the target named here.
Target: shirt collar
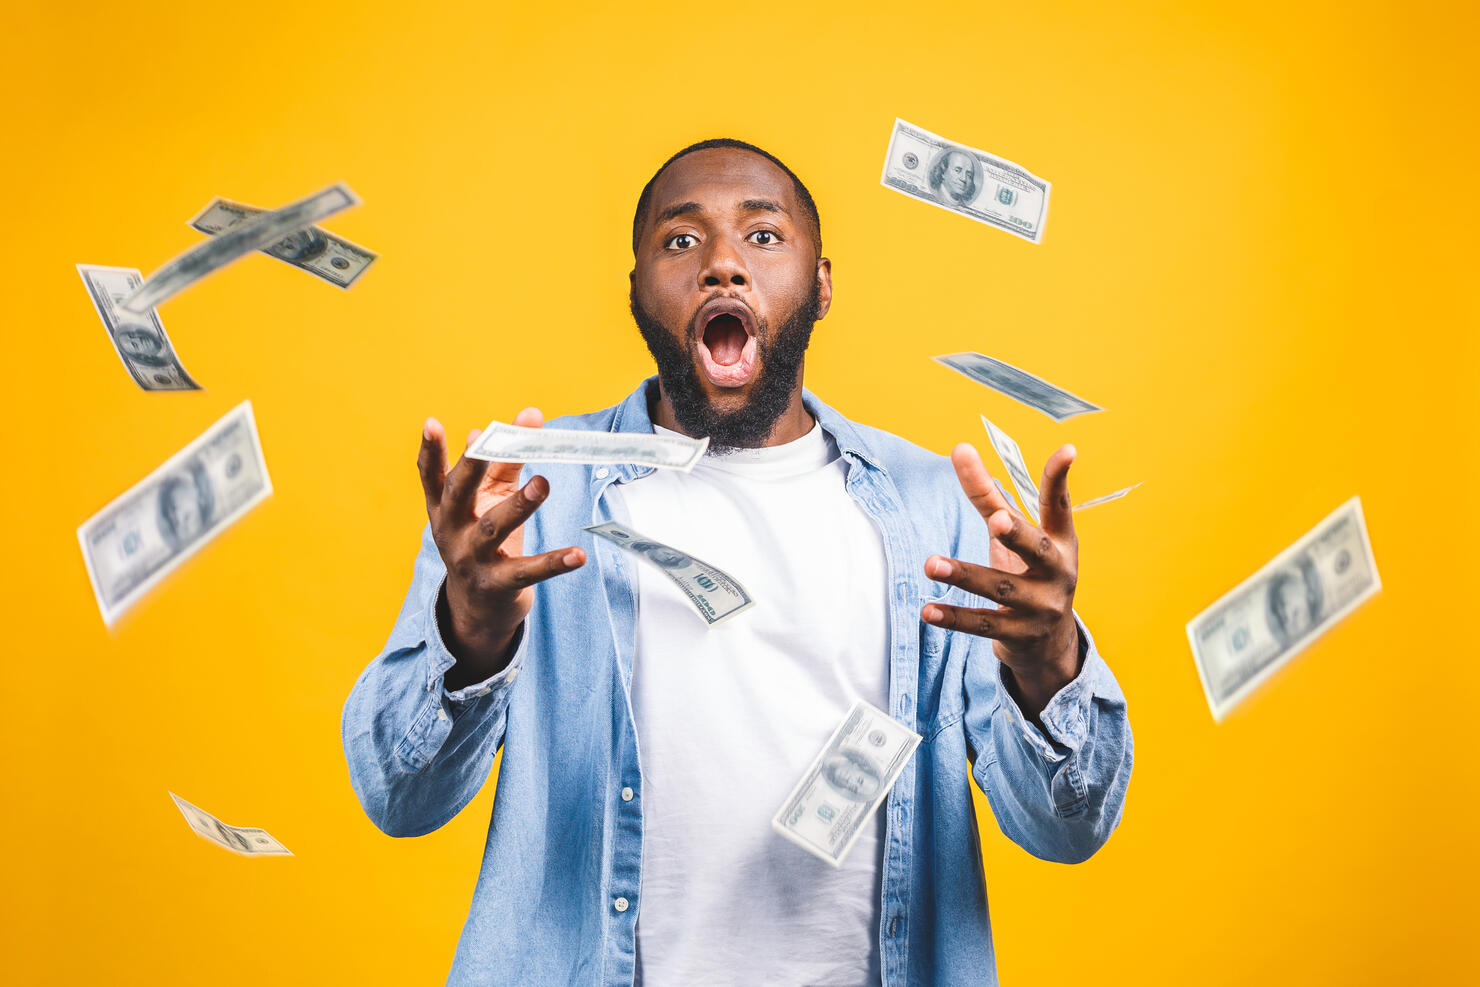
(632, 416)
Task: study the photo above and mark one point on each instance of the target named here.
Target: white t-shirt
(728, 718)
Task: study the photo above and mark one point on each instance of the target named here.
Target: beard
(747, 427)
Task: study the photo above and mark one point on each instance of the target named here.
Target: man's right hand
(477, 515)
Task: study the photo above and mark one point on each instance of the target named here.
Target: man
(1293, 601)
(300, 245)
(953, 178)
(143, 346)
(185, 505)
(644, 752)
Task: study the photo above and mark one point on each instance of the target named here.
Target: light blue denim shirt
(560, 888)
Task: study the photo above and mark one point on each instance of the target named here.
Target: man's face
(958, 175)
(298, 245)
(725, 290)
(139, 343)
(1293, 609)
(851, 777)
(184, 511)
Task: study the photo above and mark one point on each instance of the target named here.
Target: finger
(1000, 625)
(1027, 542)
(976, 482)
(526, 570)
(506, 475)
(1003, 587)
(431, 463)
(1053, 497)
(505, 517)
(461, 490)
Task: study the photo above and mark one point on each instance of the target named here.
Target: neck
(795, 422)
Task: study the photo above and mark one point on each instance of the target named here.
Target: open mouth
(726, 343)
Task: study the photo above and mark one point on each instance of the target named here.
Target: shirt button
(603, 473)
(626, 795)
(620, 904)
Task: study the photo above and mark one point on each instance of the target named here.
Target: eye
(680, 241)
(763, 238)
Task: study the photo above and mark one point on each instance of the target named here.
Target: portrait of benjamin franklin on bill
(660, 554)
(143, 346)
(852, 775)
(185, 505)
(955, 177)
(304, 244)
(1293, 600)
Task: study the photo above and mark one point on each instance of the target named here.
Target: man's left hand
(1032, 576)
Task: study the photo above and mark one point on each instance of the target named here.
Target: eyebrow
(763, 205)
(673, 212)
(748, 205)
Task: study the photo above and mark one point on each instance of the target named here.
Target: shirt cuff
(1066, 717)
(440, 659)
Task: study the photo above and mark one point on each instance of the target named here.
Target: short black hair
(804, 197)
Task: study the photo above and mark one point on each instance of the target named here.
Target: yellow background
(1260, 259)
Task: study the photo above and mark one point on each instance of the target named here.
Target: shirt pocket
(940, 685)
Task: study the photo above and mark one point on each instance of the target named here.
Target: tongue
(725, 337)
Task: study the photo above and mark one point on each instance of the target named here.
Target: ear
(631, 285)
(824, 286)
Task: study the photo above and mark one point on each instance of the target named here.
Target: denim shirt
(560, 889)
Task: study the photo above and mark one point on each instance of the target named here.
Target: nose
(723, 265)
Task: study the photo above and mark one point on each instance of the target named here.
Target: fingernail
(931, 614)
(571, 558)
(939, 568)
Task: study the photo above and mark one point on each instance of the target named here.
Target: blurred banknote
(140, 340)
(1012, 458)
(1035, 392)
(1097, 501)
(233, 244)
(846, 783)
(142, 536)
(311, 249)
(503, 443)
(246, 840)
(1266, 620)
(713, 592)
(964, 180)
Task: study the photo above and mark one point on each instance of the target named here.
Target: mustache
(781, 355)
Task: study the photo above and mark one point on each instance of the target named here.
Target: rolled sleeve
(416, 752)
(1057, 791)
(1066, 717)
(439, 659)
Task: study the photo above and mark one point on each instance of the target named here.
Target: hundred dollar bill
(967, 181)
(1027, 490)
(1241, 640)
(245, 840)
(503, 443)
(716, 595)
(146, 533)
(1035, 392)
(220, 250)
(846, 783)
(1012, 458)
(311, 249)
(140, 340)
(1107, 498)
